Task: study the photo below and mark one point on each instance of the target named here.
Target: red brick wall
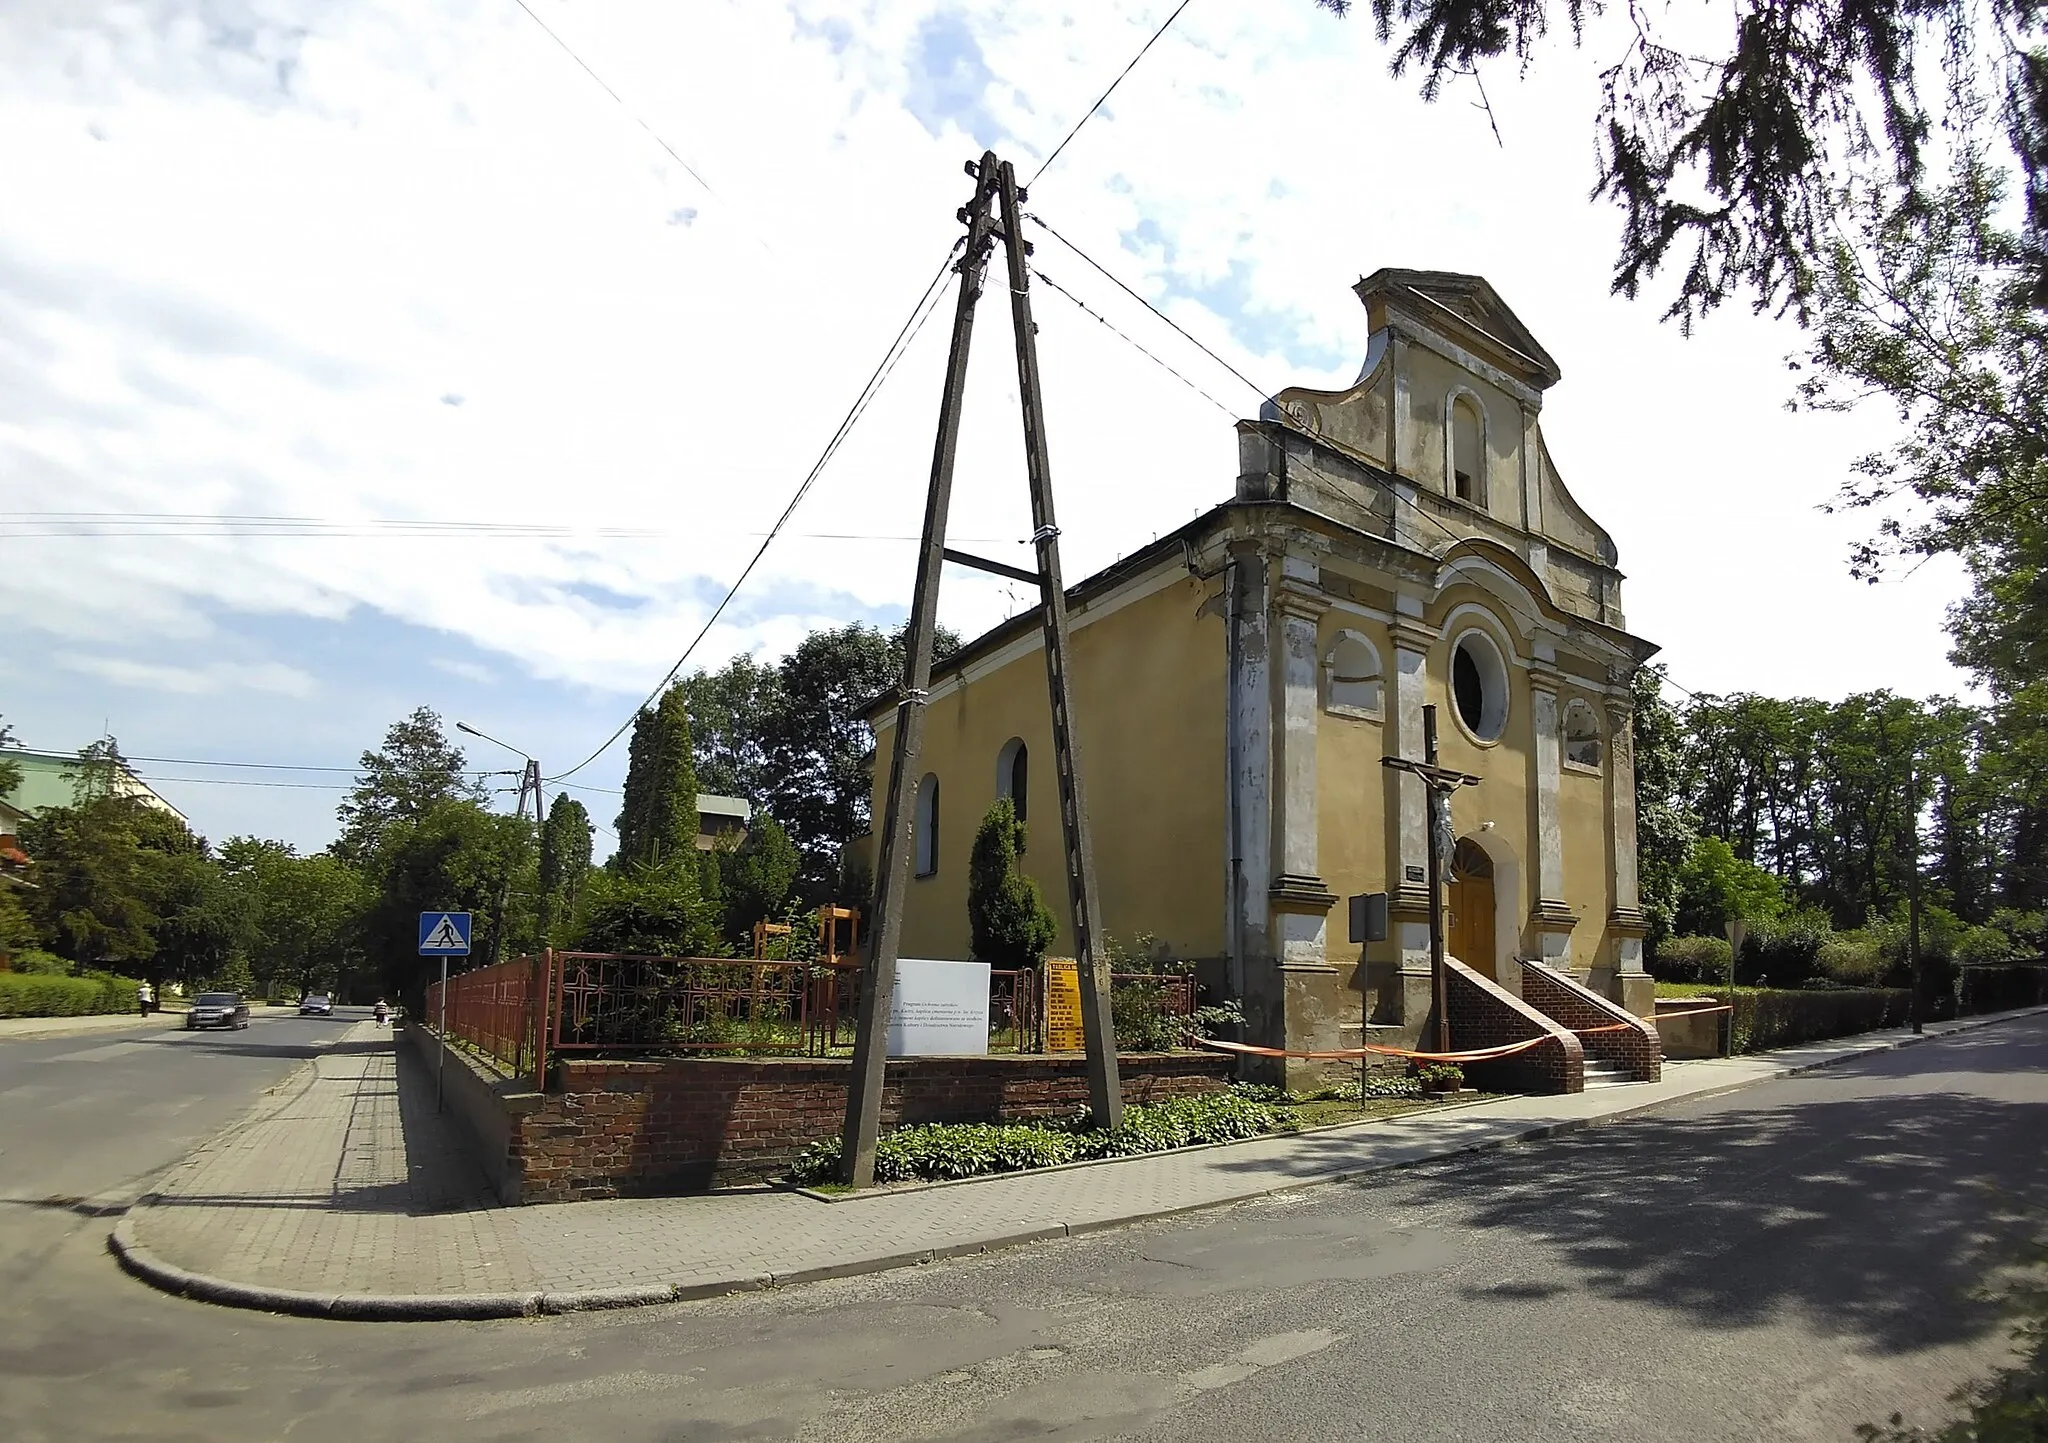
(1484, 1014)
(1639, 1049)
(619, 1129)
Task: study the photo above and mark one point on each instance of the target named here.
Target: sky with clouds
(402, 269)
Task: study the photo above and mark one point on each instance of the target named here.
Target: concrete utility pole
(995, 183)
(529, 783)
(1441, 781)
(892, 870)
(1918, 1004)
(1098, 1032)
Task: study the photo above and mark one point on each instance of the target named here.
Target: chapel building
(1238, 683)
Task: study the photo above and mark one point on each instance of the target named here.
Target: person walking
(145, 997)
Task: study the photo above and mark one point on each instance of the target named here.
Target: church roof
(1465, 307)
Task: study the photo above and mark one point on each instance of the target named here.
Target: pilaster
(1407, 883)
(1622, 977)
(1550, 920)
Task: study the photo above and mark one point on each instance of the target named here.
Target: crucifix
(1440, 781)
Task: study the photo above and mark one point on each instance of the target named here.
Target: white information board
(940, 1009)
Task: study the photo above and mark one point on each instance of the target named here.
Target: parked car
(218, 1009)
(316, 1004)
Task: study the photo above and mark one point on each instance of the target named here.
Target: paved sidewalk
(25, 1028)
(347, 1196)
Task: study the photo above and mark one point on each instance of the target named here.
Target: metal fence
(602, 1002)
(610, 1002)
(491, 1009)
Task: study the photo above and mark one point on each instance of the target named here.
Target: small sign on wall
(1063, 1006)
(940, 1009)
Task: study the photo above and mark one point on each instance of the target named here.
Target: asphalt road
(97, 1115)
(1779, 1263)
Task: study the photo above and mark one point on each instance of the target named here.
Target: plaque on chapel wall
(940, 1009)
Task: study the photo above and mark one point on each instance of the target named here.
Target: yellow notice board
(1063, 1006)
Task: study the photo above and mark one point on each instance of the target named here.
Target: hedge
(31, 995)
(1986, 987)
(1767, 1017)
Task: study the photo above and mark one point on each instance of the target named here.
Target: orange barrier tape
(1693, 1012)
(1610, 1027)
(1358, 1054)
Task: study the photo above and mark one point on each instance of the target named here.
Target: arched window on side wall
(1468, 460)
(1351, 674)
(1013, 775)
(1581, 735)
(925, 829)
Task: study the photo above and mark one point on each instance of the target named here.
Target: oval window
(1479, 685)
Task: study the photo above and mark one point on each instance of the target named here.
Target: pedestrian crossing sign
(444, 934)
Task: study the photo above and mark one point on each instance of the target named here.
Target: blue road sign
(444, 934)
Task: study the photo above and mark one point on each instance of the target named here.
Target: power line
(1133, 344)
(912, 325)
(616, 97)
(1116, 281)
(1101, 99)
(243, 782)
(90, 524)
(1280, 415)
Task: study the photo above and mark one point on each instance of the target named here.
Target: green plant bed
(946, 1152)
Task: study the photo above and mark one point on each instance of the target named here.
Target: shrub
(1141, 1019)
(1855, 959)
(41, 995)
(1446, 1075)
(1009, 923)
(1390, 1084)
(1984, 944)
(35, 963)
(1786, 951)
(1691, 959)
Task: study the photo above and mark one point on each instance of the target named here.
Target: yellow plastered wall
(1431, 382)
(1506, 795)
(1583, 805)
(1148, 680)
(1351, 783)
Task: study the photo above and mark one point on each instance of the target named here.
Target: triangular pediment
(1468, 310)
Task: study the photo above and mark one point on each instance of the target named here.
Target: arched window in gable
(924, 829)
(1467, 452)
(1351, 677)
(1013, 775)
(1581, 735)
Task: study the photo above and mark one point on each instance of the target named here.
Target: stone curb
(139, 1261)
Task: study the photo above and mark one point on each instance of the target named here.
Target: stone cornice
(1627, 922)
(1297, 599)
(1292, 892)
(1410, 635)
(1551, 915)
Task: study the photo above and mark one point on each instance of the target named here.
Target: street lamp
(529, 781)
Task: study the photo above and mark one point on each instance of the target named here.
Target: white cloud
(250, 253)
(467, 670)
(206, 679)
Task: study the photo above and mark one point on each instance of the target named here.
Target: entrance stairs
(1602, 1073)
(1620, 1047)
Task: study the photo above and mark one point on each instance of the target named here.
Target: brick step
(1607, 1074)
